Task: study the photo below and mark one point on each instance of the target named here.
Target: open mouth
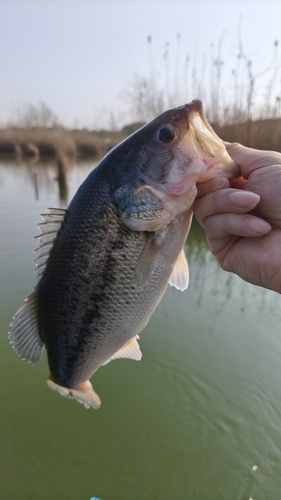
(206, 154)
(203, 143)
(204, 135)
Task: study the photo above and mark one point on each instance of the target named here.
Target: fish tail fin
(24, 332)
(84, 394)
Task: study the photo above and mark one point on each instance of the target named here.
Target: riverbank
(54, 142)
(62, 143)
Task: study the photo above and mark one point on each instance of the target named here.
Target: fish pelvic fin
(24, 331)
(84, 394)
(131, 350)
(180, 275)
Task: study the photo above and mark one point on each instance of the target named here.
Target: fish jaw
(206, 146)
(177, 198)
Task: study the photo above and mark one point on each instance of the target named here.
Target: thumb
(250, 159)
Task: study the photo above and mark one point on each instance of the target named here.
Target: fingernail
(244, 199)
(257, 225)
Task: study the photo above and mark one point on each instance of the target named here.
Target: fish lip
(177, 188)
(197, 106)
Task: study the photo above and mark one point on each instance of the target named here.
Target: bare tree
(31, 115)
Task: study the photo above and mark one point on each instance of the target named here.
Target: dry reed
(238, 108)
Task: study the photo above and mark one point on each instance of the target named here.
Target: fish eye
(165, 134)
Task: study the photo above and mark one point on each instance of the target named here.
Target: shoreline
(62, 143)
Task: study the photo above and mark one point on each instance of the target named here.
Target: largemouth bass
(105, 262)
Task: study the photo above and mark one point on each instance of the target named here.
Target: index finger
(212, 185)
(250, 159)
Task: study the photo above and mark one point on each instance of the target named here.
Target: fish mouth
(205, 137)
(200, 145)
(203, 143)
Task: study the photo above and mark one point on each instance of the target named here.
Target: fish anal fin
(180, 275)
(131, 350)
(24, 331)
(84, 394)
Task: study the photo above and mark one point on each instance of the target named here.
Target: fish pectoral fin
(141, 209)
(84, 394)
(131, 350)
(180, 275)
(148, 257)
(146, 262)
(24, 331)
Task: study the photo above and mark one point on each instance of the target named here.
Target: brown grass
(259, 134)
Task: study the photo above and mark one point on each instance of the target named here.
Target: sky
(79, 56)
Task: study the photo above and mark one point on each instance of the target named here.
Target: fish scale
(91, 292)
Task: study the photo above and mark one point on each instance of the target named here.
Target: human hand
(242, 218)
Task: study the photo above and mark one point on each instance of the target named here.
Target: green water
(187, 422)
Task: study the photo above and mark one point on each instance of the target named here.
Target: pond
(198, 418)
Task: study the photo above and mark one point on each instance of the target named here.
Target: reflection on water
(63, 190)
(36, 190)
(190, 421)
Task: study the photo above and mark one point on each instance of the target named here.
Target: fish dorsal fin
(24, 331)
(148, 257)
(131, 350)
(180, 275)
(49, 229)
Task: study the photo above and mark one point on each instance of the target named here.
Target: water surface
(188, 422)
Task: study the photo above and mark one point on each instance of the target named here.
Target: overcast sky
(79, 55)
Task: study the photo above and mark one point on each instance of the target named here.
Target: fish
(104, 263)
